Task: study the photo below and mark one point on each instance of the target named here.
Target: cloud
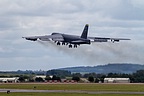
(138, 3)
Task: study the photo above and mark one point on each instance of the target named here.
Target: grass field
(80, 87)
(64, 94)
(84, 87)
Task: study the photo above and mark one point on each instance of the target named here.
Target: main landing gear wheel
(63, 43)
(75, 46)
(58, 43)
(70, 46)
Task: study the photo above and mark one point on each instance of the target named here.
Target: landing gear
(58, 43)
(63, 43)
(70, 46)
(66, 43)
(75, 46)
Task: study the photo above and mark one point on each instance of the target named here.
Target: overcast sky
(107, 18)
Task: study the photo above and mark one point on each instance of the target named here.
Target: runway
(69, 91)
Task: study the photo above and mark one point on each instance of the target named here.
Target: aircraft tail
(85, 32)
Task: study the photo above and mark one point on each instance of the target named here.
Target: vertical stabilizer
(85, 32)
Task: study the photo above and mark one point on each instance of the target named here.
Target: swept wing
(105, 39)
(56, 37)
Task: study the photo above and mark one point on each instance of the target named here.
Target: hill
(109, 68)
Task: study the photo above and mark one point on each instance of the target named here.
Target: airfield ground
(76, 89)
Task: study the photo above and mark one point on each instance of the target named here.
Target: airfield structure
(9, 80)
(116, 80)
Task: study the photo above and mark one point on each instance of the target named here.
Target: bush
(39, 79)
(76, 78)
(91, 78)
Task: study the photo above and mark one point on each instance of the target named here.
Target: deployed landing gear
(75, 46)
(70, 46)
(58, 43)
(63, 43)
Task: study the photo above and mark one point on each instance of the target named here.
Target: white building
(116, 80)
(9, 80)
(40, 76)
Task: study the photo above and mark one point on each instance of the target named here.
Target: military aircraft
(73, 40)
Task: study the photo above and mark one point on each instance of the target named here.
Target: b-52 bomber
(73, 40)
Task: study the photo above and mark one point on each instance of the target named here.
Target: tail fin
(85, 32)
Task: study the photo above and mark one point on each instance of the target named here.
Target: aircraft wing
(103, 39)
(57, 37)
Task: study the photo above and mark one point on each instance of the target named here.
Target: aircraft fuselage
(75, 39)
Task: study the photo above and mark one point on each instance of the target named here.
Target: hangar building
(116, 80)
(9, 80)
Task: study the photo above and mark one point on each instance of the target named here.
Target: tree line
(136, 77)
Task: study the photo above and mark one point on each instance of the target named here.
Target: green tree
(76, 78)
(89, 74)
(139, 76)
(76, 75)
(22, 78)
(56, 78)
(60, 73)
(102, 78)
(97, 80)
(91, 78)
(39, 79)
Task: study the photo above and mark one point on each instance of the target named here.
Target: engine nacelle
(114, 40)
(44, 39)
